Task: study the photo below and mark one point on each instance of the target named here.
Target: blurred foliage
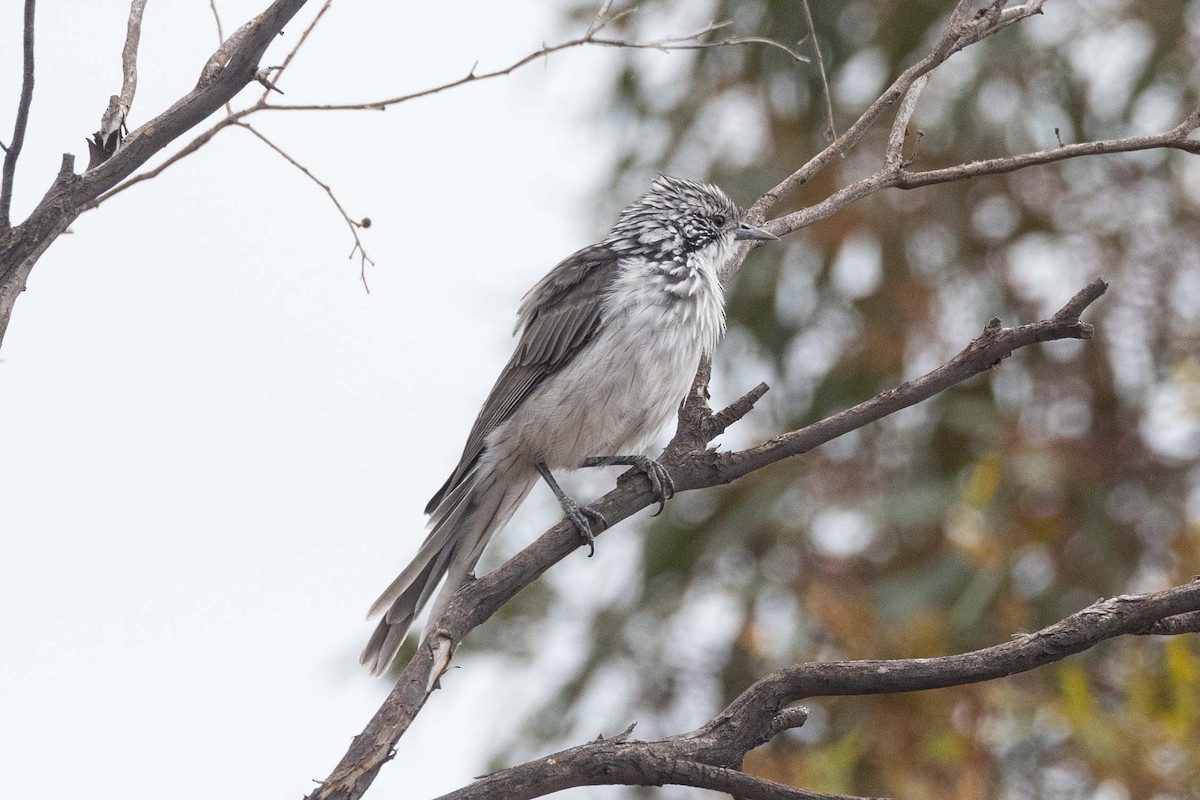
(1067, 474)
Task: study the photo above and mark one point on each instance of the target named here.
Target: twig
(13, 151)
(107, 140)
(220, 40)
(296, 48)
(897, 176)
(590, 37)
(351, 223)
(894, 157)
(831, 133)
(217, 19)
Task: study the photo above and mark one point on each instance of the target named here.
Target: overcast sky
(216, 445)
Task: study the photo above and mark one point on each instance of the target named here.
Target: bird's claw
(582, 518)
(660, 481)
(661, 485)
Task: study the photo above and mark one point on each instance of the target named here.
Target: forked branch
(713, 753)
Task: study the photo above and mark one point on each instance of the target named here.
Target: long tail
(462, 525)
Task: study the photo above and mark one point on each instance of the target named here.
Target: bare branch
(895, 147)
(988, 349)
(745, 717)
(710, 756)
(351, 223)
(691, 41)
(620, 762)
(599, 23)
(960, 32)
(71, 194)
(898, 176)
(107, 140)
(296, 48)
(13, 151)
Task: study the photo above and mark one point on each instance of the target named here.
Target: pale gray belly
(611, 399)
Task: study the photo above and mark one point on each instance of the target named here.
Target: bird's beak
(745, 231)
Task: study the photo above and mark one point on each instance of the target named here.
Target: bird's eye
(719, 220)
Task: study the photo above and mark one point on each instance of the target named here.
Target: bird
(609, 342)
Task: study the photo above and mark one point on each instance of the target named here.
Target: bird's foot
(660, 480)
(583, 518)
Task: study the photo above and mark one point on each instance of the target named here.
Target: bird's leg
(660, 480)
(579, 515)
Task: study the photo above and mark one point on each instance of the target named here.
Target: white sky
(216, 446)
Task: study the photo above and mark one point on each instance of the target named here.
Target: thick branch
(14, 148)
(711, 755)
(747, 719)
(619, 762)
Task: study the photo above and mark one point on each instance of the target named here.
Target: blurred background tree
(1068, 474)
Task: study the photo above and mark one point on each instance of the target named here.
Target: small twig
(958, 34)
(894, 158)
(295, 49)
(13, 151)
(108, 139)
(351, 223)
(217, 19)
(263, 76)
(590, 37)
(831, 133)
(707, 756)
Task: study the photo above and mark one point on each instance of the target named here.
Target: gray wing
(556, 319)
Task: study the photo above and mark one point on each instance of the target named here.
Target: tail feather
(463, 523)
(445, 522)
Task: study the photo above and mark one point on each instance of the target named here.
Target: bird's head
(679, 218)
